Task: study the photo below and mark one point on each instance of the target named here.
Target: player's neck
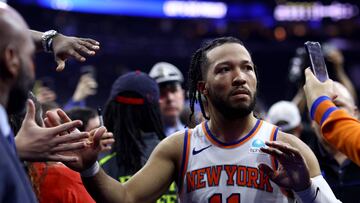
(231, 130)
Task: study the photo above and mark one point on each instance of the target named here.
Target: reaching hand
(35, 143)
(293, 173)
(65, 47)
(100, 140)
(313, 88)
(86, 86)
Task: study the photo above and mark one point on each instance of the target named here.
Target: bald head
(344, 99)
(16, 60)
(13, 27)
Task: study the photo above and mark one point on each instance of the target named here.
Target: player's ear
(201, 87)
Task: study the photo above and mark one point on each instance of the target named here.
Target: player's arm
(147, 184)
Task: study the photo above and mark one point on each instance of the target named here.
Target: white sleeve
(318, 192)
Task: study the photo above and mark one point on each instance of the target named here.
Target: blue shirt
(172, 129)
(14, 183)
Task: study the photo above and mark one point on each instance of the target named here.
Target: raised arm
(147, 184)
(65, 47)
(338, 128)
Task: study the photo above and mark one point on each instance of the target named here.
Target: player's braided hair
(198, 66)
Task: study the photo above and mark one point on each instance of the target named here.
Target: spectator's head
(344, 101)
(286, 115)
(88, 116)
(169, 79)
(16, 60)
(131, 111)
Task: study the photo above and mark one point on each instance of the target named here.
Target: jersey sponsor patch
(256, 145)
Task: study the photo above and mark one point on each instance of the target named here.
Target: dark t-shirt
(111, 167)
(343, 179)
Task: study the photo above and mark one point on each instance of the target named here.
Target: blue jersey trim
(231, 143)
(316, 103)
(183, 160)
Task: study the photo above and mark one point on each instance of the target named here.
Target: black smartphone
(317, 61)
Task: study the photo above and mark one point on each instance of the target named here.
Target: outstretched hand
(36, 143)
(99, 140)
(293, 172)
(65, 47)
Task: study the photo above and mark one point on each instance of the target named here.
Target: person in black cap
(132, 114)
(172, 99)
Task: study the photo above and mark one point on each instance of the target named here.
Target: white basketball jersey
(217, 172)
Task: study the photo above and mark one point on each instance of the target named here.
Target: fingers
(284, 147)
(268, 171)
(30, 111)
(72, 137)
(64, 127)
(68, 147)
(61, 158)
(97, 136)
(274, 152)
(63, 116)
(61, 64)
(47, 123)
(91, 41)
(107, 136)
(107, 142)
(283, 152)
(53, 118)
(76, 55)
(85, 47)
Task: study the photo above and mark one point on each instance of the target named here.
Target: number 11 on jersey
(217, 198)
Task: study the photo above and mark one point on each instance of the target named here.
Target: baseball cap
(138, 82)
(285, 114)
(166, 72)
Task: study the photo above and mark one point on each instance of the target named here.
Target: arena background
(135, 34)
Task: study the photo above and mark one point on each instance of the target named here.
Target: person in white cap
(286, 115)
(169, 79)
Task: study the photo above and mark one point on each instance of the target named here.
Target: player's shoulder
(172, 145)
(288, 138)
(291, 139)
(305, 151)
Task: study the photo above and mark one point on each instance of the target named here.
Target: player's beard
(19, 92)
(229, 111)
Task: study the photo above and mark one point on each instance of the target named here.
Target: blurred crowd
(142, 109)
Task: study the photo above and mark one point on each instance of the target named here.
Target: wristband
(308, 195)
(92, 171)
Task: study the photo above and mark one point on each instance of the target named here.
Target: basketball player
(225, 158)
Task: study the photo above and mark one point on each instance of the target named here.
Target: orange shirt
(60, 184)
(338, 128)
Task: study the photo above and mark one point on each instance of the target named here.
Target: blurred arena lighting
(314, 11)
(145, 8)
(195, 9)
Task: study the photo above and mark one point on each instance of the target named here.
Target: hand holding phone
(318, 65)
